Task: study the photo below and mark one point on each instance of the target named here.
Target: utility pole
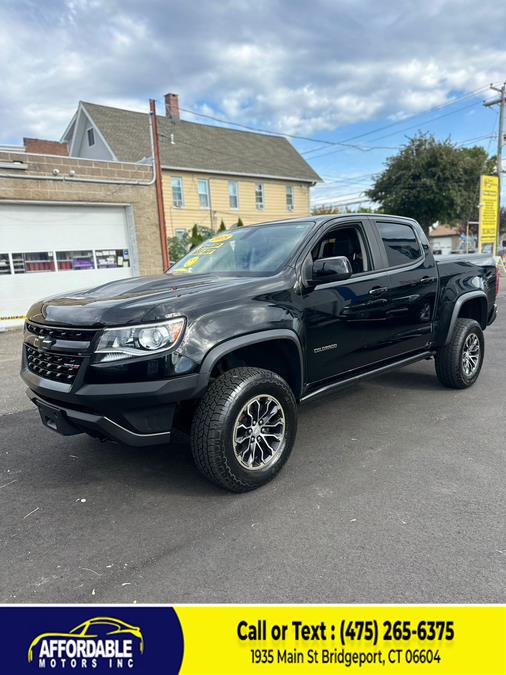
(159, 188)
(501, 99)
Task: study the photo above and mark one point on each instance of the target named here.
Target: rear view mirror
(331, 269)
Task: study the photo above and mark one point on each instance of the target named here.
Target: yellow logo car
(88, 630)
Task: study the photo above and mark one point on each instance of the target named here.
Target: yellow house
(207, 199)
(209, 173)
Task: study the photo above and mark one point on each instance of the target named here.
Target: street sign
(489, 190)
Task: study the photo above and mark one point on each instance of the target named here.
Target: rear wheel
(458, 364)
(244, 428)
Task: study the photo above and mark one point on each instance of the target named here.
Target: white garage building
(50, 248)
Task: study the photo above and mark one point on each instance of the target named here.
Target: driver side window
(344, 241)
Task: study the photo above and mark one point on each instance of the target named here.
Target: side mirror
(331, 269)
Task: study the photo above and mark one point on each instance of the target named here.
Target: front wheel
(458, 363)
(244, 428)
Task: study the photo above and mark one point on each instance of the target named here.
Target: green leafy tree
(324, 209)
(178, 247)
(184, 242)
(205, 232)
(240, 223)
(432, 181)
(222, 227)
(198, 234)
(195, 237)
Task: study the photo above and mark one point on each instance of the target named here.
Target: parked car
(249, 324)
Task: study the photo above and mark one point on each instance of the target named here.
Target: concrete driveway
(395, 492)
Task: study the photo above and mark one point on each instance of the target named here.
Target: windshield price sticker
(453, 640)
(207, 249)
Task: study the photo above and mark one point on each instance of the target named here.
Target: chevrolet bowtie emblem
(43, 343)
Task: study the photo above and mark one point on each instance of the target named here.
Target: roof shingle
(200, 147)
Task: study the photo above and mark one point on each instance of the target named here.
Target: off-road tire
(213, 426)
(449, 359)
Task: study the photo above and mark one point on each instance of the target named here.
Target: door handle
(378, 290)
(427, 280)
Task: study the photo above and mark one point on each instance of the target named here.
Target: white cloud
(289, 65)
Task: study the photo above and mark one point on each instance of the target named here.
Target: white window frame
(180, 187)
(200, 182)
(90, 145)
(233, 196)
(260, 206)
(290, 201)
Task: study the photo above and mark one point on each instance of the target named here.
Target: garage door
(46, 249)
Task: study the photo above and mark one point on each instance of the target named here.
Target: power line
(393, 133)
(362, 177)
(259, 129)
(326, 142)
(406, 119)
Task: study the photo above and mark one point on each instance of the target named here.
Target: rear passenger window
(400, 242)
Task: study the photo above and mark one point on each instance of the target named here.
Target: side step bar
(328, 388)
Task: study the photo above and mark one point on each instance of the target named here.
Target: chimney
(39, 146)
(172, 106)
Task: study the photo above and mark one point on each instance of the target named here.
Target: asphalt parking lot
(395, 492)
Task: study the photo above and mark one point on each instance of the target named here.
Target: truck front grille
(51, 365)
(60, 333)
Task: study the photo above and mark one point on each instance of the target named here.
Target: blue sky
(330, 69)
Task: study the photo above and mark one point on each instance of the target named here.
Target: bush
(181, 244)
(178, 247)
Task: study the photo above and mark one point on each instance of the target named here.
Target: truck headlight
(131, 341)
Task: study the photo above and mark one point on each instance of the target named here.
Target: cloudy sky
(363, 73)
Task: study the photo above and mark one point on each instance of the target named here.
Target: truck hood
(139, 299)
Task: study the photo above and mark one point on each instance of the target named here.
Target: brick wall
(40, 146)
(141, 198)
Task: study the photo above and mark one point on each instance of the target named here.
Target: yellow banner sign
(489, 195)
(424, 639)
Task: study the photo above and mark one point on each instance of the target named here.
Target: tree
(324, 209)
(195, 238)
(432, 181)
(199, 233)
(222, 227)
(240, 223)
(178, 247)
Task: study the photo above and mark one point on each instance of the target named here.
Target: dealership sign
(489, 204)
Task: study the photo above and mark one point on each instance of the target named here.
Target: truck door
(412, 283)
(345, 322)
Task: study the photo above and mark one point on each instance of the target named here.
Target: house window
(289, 197)
(5, 266)
(233, 195)
(25, 263)
(259, 196)
(203, 188)
(180, 232)
(75, 260)
(177, 192)
(91, 137)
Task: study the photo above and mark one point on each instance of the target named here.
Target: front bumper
(137, 413)
(69, 422)
(133, 403)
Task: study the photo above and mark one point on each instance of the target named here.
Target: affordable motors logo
(101, 642)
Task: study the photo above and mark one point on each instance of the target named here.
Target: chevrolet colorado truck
(246, 326)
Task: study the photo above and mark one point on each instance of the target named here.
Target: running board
(370, 373)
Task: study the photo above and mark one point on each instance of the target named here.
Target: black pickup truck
(246, 326)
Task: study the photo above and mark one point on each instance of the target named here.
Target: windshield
(261, 250)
